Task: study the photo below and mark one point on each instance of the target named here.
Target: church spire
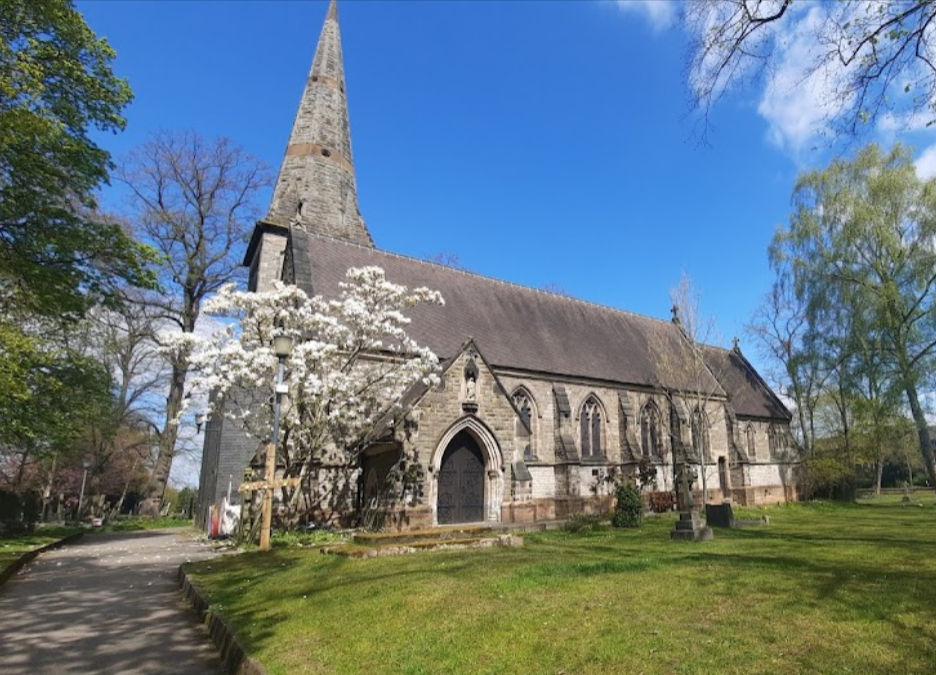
(315, 188)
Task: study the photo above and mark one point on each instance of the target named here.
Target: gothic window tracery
(650, 436)
(751, 446)
(590, 420)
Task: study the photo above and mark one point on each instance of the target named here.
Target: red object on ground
(215, 522)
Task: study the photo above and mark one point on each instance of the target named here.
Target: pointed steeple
(316, 188)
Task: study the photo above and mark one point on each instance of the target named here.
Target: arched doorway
(461, 481)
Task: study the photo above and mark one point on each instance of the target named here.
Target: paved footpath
(107, 604)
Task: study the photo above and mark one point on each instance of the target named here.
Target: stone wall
(548, 486)
(488, 415)
(267, 264)
(227, 453)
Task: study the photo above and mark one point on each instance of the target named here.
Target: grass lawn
(135, 523)
(823, 589)
(11, 548)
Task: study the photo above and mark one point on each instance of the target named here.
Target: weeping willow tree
(860, 254)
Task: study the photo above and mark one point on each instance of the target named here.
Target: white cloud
(660, 14)
(926, 163)
(799, 101)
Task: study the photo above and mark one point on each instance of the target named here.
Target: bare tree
(448, 259)
(781, 329)
(692, 388)
(556, 289)
(126, 340)
(872, 59)
(117, 442)
(194, 201)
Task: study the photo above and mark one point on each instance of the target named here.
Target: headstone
(150, 507)
(684, 500)
(719, 515)
(691, 527)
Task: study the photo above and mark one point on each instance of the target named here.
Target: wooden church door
(461, 482)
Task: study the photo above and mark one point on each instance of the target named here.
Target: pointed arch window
(773, 440)
(700, 434)
(524, 403)
(751, 445)
(650, 431)
(590, 420)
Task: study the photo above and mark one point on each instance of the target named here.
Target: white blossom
(350, 364)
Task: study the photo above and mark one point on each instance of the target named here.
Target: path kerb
(233, 655)
(10, 571)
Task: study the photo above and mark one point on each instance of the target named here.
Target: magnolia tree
(350, 365)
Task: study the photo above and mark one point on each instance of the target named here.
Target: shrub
(302, 538)
(628, 511)
(829, 477)
(579, 523)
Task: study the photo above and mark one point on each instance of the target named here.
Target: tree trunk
(919, 418)
(878, 474)
(167, 439)
(126, 488)
(47, 490)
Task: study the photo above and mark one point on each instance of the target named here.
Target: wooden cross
(256, 485)
(267, 485)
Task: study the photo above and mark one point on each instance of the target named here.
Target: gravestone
(719, 515)
(690, 526)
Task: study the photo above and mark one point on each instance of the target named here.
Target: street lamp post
(282, 345)
(84, 477)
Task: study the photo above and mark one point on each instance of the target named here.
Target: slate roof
(750, 395)
(513, 326)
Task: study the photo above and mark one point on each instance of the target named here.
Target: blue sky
(545, 143)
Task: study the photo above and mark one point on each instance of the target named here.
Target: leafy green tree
(56, 85)
(48, 396)
(859, 251)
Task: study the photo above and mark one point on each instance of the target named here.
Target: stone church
(544, 398)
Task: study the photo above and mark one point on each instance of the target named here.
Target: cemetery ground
(106, 604)
(824, 588)
(12, 547)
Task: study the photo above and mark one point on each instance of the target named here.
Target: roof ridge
(489, 278)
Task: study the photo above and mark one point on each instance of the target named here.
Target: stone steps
(379, 544)
(436, 534)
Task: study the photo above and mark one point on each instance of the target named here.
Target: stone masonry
(316, 186)
(584, 423)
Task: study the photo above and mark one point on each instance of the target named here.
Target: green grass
(823, 589)
(11, 548)
(136, 523)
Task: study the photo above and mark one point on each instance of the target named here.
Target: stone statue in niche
(471, 384)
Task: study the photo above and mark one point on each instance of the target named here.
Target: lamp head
(282, 345)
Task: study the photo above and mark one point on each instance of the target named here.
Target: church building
(544, 399)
